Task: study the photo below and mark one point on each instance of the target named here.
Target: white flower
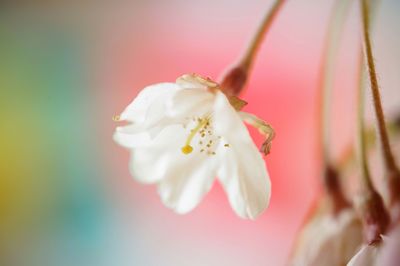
(382, 252)
(366, 256)
(328, 239)
(389, 254)
(385, 252)
(184, 134)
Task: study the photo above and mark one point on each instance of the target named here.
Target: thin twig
(380, 118)
(365, 175)
(234, 80)
(331, 177)
(255, 43)
(326, 76)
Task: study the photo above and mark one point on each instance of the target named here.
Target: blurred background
(66, 67)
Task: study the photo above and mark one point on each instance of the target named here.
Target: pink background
(119, 48)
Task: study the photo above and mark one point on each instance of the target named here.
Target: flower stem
(331, 176)
(383, 135)
(248, 57)
(392, 170)
(366, 176)
(331, 46)
(234, 80)
(376, 218)
(374, 214)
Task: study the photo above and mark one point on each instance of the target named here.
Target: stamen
(201, 123)
(116, 118)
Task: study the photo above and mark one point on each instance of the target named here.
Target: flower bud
(328, 239)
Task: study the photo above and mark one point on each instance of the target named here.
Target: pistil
(202, 123)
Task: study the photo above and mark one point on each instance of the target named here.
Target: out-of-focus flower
(328, 239)
(184, 134)
(376, 222)
(366, 256)
(389, 254)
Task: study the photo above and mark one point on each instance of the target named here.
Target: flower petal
(183, 179)
(328, 239)
(243, 173)
(191, 102)
(149, 104)
(187, 180)
(365, 257)
(389, 253)
(148, 115)
(131, 136)
(150, 160)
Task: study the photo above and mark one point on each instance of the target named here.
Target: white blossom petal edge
(184, 134)
(366, 256)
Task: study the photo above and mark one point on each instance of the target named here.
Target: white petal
(150, 160)
(131, 136)
(148, 115)
(243, 173)
(183, 179)
(191, 102)
(187, 180)
(149, 104)
(365, 257)
(148, 164)
(327, 239)
(389, 253)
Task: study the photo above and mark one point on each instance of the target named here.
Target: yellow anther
(116, 118)
(187, 149)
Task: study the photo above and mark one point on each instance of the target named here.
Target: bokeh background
(66, 67)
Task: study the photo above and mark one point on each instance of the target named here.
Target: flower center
(201, 128)
(205, 138)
